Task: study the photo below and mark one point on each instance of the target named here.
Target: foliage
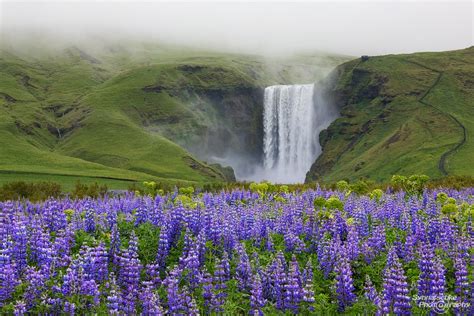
(34, 191)
(413, 184)
(93, 190)
(376, 194)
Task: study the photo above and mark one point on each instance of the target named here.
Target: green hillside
(119, 114)
(400, 114)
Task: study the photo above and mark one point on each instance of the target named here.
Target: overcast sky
(348, 27)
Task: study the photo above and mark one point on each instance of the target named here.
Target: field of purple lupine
(240, 252)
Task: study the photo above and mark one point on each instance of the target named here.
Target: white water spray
(293, 117)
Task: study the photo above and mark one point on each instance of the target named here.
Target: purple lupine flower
(20, 308)
(257, 301)
(290, 241)
(89, 288)
(188, 242)
(372, 295)
(201, 246)
(344, 285)
(461, 285)
(293, 287)
(219, 279)
(95, 262)
(243, 270)
(114, 248)
(70, 281)
(278, 280)
(395, 297)
(225, 267)
(438, 282)
(55, 305)
(173, 293)
(188, 304)
(20, 240)
(8, 280)
(151, 306)
(191, 265)
(69, 308)
(141, 215)
(153, 274)
(150, 301)
(352, 244)
(426, 265)
(36, 281)
(155, 308)
(89, 221)
(308, 292)
(269, 244)
(129, 272)
(128, 300)
(62, 247)
(113, 299)
(207, 291)
(41, 249)
(327, 254)
(163, 248)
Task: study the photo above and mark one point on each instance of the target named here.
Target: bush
(334, 203)
(34, 191)
(93, 190)
(412, 185)
(376, 194)
(342, 185)
(360, 187)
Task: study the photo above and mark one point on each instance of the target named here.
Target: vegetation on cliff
(400, 114)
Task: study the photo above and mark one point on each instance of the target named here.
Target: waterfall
(293, 117)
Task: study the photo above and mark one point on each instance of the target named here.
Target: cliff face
(399, 114)
(214, 111)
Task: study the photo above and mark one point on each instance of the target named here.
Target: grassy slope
(97, 139)
(78, 114)
(402, 114)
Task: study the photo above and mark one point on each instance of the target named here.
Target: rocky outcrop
(225, 118)
(345, 87)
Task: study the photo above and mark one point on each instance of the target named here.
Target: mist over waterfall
(293, 117)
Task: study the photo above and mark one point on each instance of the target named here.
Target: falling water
(294, 115)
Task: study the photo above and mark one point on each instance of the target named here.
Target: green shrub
(376, 194)
(360, 187)
(441, 197)
(449, 209)
(342, 185)
(186, 191)
(319, 202)
(333, 203)
(93, 190)
(34, 191)
(411, 185)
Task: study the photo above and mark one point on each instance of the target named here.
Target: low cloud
(350, 27)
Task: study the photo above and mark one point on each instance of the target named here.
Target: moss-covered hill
(400, 114)
(131, 113)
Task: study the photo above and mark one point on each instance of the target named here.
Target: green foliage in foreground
(412, 185)
(40, 191)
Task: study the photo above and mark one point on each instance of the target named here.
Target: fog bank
(349, 27)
